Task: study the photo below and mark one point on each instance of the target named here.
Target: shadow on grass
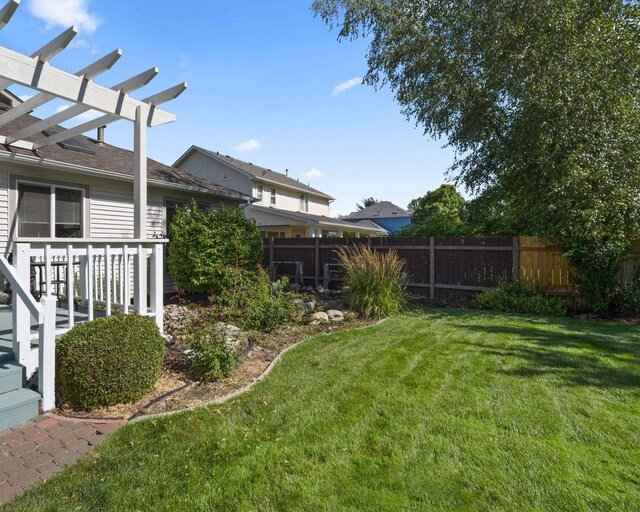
(577, 353)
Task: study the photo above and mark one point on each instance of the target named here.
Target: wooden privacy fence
(438, 267)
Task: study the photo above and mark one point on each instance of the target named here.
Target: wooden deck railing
(110, 273)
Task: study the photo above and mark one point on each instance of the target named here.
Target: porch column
(140, 205)
(312, 232)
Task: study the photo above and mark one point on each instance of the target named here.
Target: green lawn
(440, 410)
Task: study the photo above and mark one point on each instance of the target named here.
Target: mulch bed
(175, 391)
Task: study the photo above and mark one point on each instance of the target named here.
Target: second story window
(273, 197)
(304, 203)
(259, 193)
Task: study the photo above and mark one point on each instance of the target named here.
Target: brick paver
(40, 448)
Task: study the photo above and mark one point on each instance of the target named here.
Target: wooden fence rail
(439, 267)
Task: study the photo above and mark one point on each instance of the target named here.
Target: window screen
(68, 213)
(34, 210)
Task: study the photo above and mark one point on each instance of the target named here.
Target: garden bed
(175, 390)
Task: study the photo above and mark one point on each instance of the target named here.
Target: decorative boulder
(319, 318)
(309, 306)
(335, 315)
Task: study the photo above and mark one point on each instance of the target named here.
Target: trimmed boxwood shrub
(108, 361)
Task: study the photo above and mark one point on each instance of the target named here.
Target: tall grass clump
(377, 280)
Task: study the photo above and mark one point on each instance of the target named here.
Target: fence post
(21, 314)
(271, 269)
(432, 267)
(157, 306)
(317, 263)
(47, 354)
(516, 258)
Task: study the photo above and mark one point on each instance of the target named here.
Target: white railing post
(84, 276)
(140, 281)
(71, 292)
(157, 286)
(47, 355)
(21, 314)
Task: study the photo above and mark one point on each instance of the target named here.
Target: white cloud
(89, 115)
(248, 145)
(83, 44)
(64, 13)
(313, 173)
(345, 86)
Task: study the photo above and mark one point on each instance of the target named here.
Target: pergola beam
(49, 50)
(148, 104)
(7, 12)
(127, 86)
(88, 72)
(27, 71)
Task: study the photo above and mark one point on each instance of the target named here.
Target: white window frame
(259, 192)
(84, 210)
(304, 203)
(274, 196)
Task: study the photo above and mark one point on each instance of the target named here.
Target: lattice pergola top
(35, 72)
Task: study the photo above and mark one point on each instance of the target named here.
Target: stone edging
(241, 391)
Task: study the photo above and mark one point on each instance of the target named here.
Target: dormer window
(273, 197)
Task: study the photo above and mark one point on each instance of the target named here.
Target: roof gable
(255, 172)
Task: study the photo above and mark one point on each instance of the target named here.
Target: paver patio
(40, 448)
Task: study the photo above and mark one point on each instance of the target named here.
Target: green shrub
(519, 297)
(257, 303)
(108, 361)
(377, 280)
(208, 246)
(210, 358)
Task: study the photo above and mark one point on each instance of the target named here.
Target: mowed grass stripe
(439, 410)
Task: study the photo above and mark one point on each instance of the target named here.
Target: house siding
(110, 205)
(212, 170)
(287, 199)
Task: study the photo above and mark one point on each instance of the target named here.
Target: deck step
(12, 376)
(18, 406)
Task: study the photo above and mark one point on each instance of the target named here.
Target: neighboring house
(384, 214)
(283, 206)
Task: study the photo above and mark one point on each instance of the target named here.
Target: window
(304, 203)
(37, 218)
(273, 197)
(259, 193)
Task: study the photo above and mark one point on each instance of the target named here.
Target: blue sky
(264, 83)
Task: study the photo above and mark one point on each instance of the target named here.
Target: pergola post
(140, 205)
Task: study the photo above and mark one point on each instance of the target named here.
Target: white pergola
(35, 72)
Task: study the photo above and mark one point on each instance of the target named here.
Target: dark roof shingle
(103, 156)
(381, 210)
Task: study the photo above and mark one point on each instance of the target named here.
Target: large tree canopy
(439, 212)
(539, 98)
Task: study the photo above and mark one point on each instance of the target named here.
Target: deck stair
(17, 403)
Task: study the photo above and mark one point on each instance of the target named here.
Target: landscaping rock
(350, 315)
(320, 288)
(319, 318)
(234, 337)
(5, 298)
(309, 307)
(346, 289)
(335, 315)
